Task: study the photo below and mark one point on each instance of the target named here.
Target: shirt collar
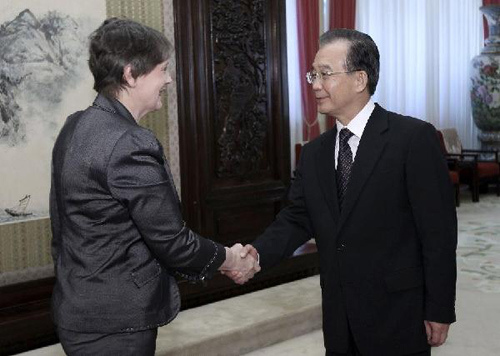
(357, 125)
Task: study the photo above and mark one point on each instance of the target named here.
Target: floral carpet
(478, 254)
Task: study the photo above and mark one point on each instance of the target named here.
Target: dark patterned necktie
(344, 163)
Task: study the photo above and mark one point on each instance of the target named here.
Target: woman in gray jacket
(118, 233)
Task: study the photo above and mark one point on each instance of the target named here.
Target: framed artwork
(44, 77)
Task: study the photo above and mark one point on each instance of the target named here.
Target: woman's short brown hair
(119, 42)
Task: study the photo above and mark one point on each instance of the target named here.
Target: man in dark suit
(375, 194)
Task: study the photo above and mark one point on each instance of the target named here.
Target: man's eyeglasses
(313, 75)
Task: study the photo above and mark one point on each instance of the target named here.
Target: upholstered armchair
(475, 167)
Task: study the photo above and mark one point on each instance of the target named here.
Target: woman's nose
(168, 78)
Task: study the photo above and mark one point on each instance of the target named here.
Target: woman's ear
(128, 77)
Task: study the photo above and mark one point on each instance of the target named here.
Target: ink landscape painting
(44, 77)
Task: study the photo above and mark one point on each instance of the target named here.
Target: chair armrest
(461, 156)
(462, 161)
(491, 152)
(478, 151)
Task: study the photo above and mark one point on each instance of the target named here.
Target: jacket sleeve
(137, 177)
(431, 197)
(292, 227)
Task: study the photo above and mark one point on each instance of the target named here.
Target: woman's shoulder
(138, 138)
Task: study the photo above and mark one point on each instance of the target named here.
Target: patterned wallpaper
(25, 246)
(25, 251)
(148, 12)
(173, 124)
(158, 14)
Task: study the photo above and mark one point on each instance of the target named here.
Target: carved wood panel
(238, 44)
(233, 130)
(234, 133)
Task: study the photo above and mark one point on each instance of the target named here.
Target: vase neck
(492, 43)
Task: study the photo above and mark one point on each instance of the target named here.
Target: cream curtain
(294, 94)
(425, 49)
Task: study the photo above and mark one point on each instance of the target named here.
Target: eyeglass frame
(320, 75)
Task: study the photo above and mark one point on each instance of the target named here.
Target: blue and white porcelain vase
(485, 83)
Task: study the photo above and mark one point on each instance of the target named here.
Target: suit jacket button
(341, 247)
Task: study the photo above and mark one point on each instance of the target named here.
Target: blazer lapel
(325, 166)
(370, 147)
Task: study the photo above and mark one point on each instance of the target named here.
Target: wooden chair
(453, 169)
(455, 180)
(476, 167)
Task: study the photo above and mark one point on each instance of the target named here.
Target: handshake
(241, 263)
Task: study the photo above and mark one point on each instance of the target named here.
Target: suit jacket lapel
(370, 147)
(325, 166)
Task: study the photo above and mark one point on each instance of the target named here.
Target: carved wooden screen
(233, 118)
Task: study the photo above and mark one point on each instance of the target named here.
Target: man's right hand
(249, 250)
(240, 266)
(436, 332)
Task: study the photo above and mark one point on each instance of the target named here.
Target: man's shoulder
(398, 117)
(403, 122)
(318, 141)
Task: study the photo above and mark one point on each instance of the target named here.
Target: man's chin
(323, 110)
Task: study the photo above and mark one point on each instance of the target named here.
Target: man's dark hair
(361, 55)
(118, 42)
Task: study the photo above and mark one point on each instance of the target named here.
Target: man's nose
(317, 85)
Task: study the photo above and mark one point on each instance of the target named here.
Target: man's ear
(361, 81)
(128, 77)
